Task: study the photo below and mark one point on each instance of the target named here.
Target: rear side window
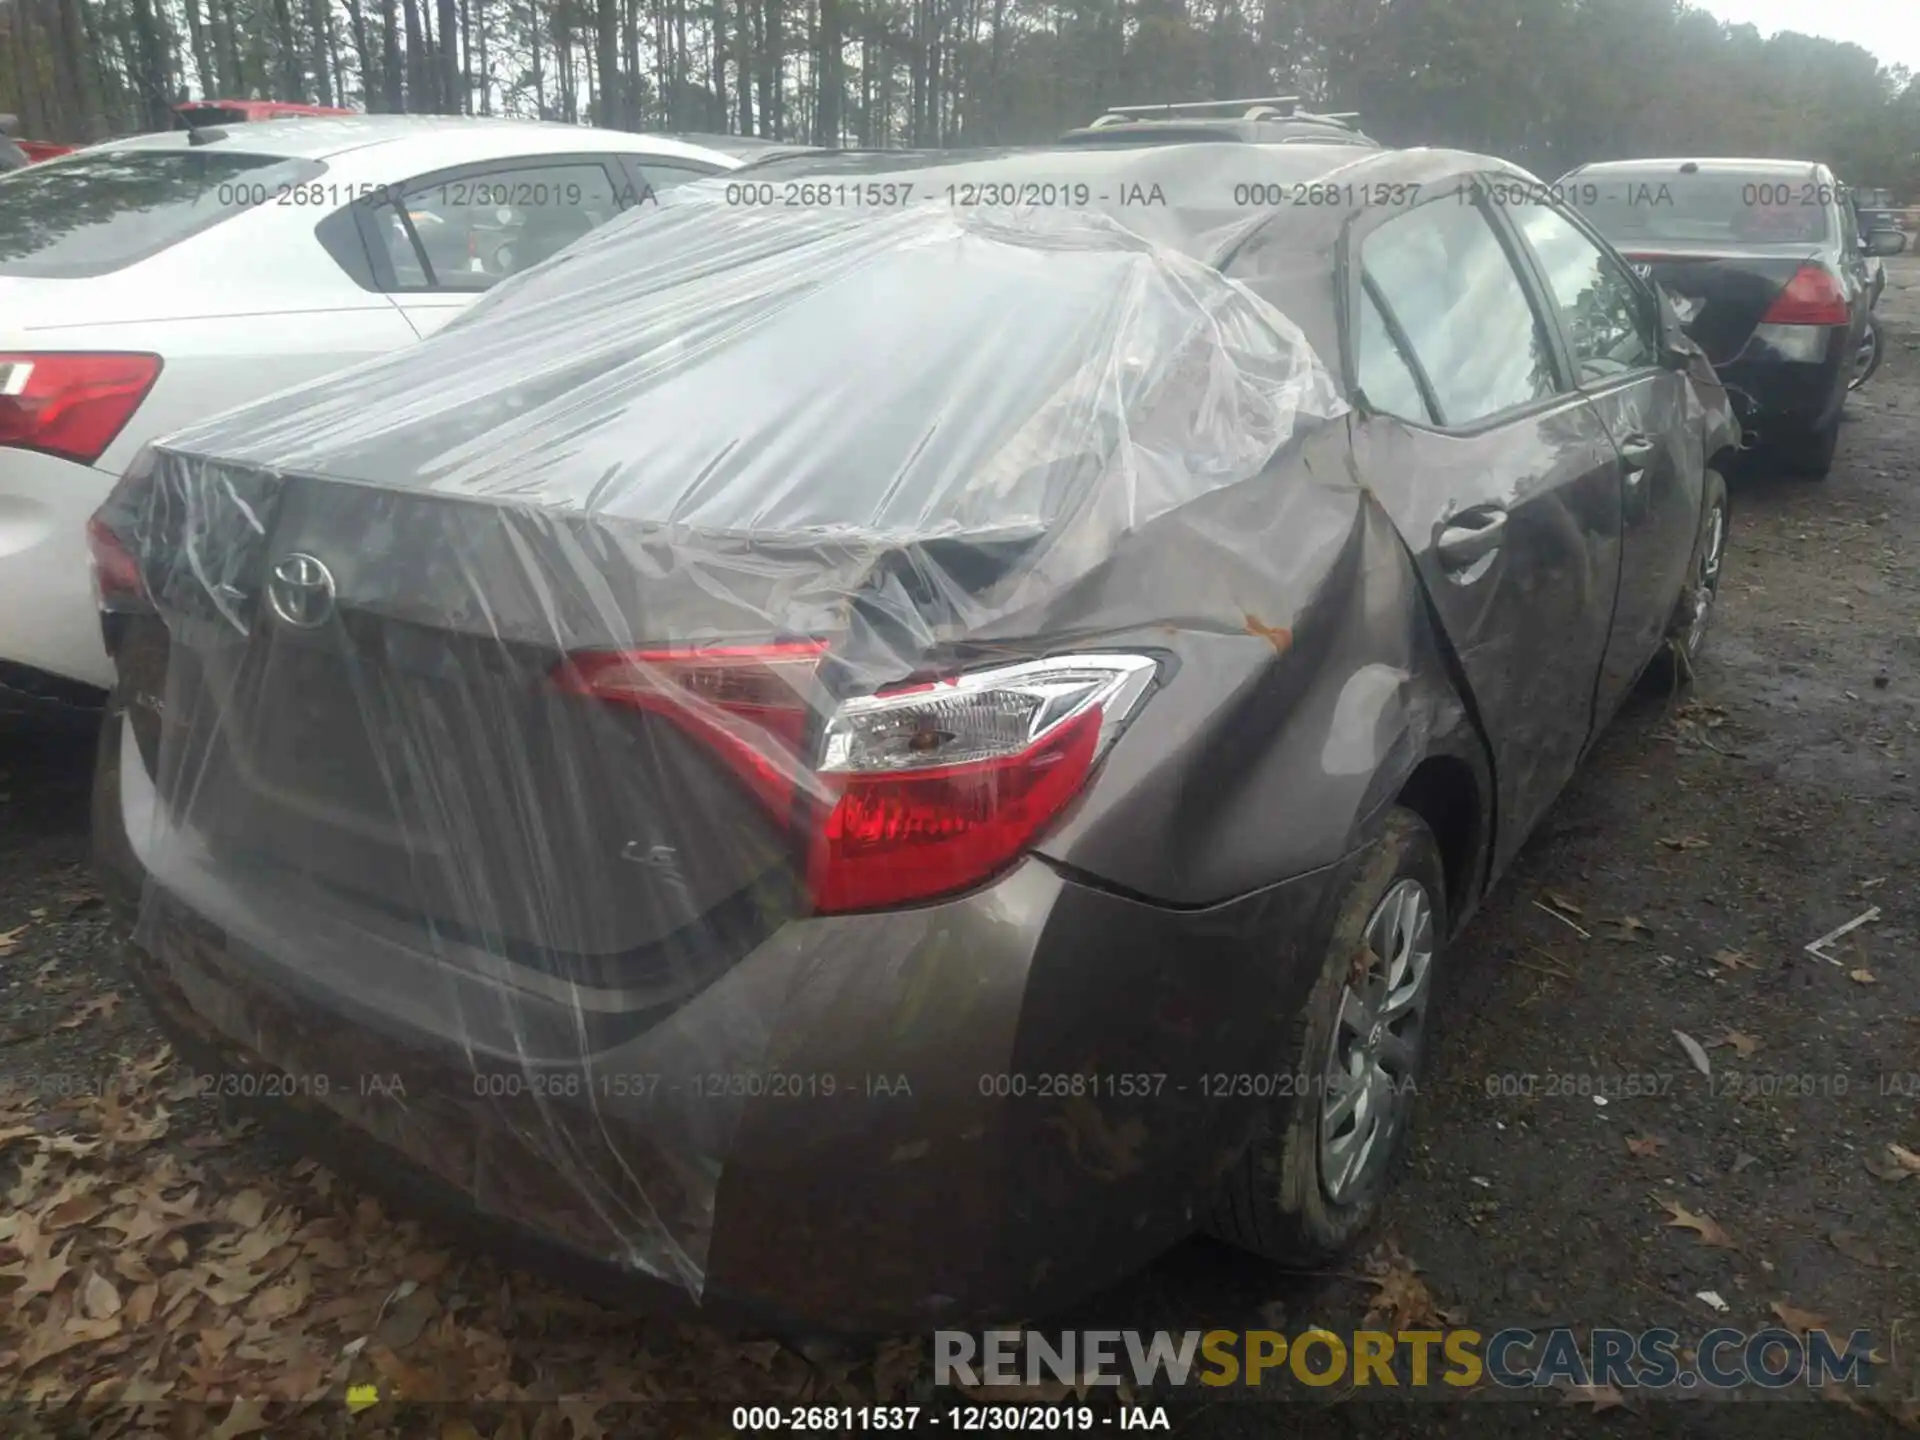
(95, 213)
(1442, 274)
(1385, 377)
(468, 231)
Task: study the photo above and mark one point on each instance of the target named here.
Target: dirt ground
(156, 1256)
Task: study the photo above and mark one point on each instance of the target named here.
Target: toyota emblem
(301, 591)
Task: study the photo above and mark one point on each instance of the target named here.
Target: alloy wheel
(1866, 356)
(1367, 1086)
(1706, 580)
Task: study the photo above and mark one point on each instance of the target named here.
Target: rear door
(1498, 474)
(1606, 322)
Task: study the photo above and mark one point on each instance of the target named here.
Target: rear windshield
(1738, 209)
(105, 210)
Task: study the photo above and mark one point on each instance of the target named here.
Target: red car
(192, 113)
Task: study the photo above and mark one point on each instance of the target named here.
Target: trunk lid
(1721, 294)
(414, 752)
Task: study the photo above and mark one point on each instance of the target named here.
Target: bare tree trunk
(883, 135)
(763, 67)
(390, 65)
(452, 102)
(486, 74)
(289, 81)
(539, 69)
(419, 95)
(631, 71)
(152, 80)
(197, 42)
(226, 45)
(743, 63)
(333, 54)
(466, 53)
(321, 24)
(370, 93)
(829, 85)
(608, 107)
(866, 85)
(563, 55)
(717, 65)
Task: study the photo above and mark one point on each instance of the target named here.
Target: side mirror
(1885, 242)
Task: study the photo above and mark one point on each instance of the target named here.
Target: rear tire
(1867, 359)
(1673, 667)
(1312, 1179)
(1810, 456)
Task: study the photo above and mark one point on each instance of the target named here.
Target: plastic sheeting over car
(493, 701)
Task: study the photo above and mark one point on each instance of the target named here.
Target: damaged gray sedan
(877, 763)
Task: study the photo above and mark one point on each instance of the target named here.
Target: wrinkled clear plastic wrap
(490, 678)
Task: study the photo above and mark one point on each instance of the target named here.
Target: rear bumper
(48, 619)
(954, 1114)
(1779, 398)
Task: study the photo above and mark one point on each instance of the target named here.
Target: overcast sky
(1888, 28)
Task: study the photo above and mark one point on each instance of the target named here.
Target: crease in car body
(1150, 837)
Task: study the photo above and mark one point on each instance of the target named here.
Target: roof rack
(1257, 107)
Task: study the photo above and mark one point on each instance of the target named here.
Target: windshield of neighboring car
(1742, 209)
(103, 210)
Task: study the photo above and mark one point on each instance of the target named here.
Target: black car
(879, 763)
(1769, 273)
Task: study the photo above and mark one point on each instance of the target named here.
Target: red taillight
(735, 698)
(117, 582)
(71, 405)
(1812, 297)
(919, 791)
(894, 839)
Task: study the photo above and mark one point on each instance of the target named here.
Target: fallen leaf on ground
(1745, 1045)
(1733, 960)
(247, 1208)
(101, 1005)
(1705, 1226)
(1560, 902)
(1694, 1053)
(1646, 1146)
(1798, 1320)
(1684, 842)
(10, 939)
(98, 1298)
(1856, 1248)
(1401, 1299)
(1630, 927)
(1862, 976)
(405, 1319)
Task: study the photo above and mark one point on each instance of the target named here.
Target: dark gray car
(872, 762)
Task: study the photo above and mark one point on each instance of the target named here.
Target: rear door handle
(1470, 536)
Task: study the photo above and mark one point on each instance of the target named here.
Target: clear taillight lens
(940, 786)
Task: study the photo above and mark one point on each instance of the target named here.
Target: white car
(147, 283)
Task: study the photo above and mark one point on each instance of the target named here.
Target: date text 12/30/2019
(960, 1419)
